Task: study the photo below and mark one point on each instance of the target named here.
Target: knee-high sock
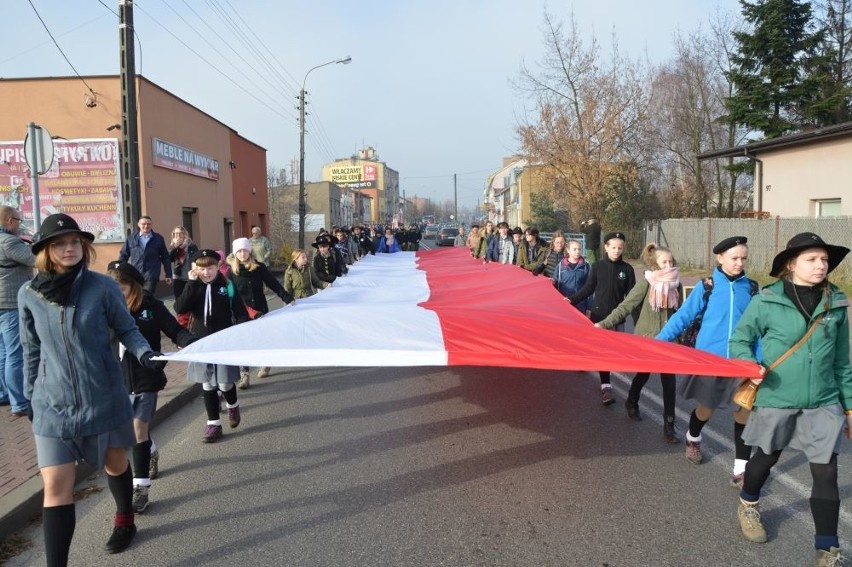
(142, 459)
(211, 404)
(695, 425)
(604, 377)
(230, 395)
(741, 450)
(58, 526)
(121, 488)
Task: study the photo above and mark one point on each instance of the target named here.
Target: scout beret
(127, 270)
(610, 235)
(729, 243)
(206, 253)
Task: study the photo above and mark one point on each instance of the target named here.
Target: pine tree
(778, 69)
(834, 104)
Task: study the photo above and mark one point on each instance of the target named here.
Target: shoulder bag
(747, 392)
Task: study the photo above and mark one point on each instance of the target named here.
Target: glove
(146, 361)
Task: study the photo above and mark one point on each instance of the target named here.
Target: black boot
(669, 435)
(632, 407)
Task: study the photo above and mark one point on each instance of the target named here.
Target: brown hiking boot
(749, 517)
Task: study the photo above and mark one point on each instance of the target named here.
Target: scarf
(56, 287)
(664, 284)
(566, 262)
(181, 256)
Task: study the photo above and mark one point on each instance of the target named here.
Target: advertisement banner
(354, 176)
(173, 156)
(84, 182)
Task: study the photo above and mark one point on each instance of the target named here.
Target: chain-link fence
(692, 240)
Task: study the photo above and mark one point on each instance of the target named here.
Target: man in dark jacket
(146, 251)
(326, 263)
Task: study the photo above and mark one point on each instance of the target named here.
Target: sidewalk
(20, 483)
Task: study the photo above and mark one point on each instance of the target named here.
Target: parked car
(446, 237)
(431, 232)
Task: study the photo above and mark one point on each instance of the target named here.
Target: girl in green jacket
(656, 297)
(805, 401)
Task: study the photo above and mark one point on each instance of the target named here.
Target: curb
(23, 504)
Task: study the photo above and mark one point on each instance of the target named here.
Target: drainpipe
(759, 175)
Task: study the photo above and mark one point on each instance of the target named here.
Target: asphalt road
(436, 466)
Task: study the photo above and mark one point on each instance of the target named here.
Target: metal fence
(692, 240)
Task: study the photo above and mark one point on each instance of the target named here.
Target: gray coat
(16, 268)
(71, 376)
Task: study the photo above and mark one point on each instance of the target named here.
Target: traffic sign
(38, 149)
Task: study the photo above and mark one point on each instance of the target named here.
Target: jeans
(12, 360)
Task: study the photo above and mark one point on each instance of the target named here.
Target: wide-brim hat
(322, 240)
(804, 241)
(127, 270)
(57, 225)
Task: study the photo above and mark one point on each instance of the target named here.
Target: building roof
(817, 135)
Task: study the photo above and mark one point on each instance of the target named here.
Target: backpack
(690, 334)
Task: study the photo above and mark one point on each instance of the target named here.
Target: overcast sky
(429, 86)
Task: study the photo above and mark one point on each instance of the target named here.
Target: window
(827, 208)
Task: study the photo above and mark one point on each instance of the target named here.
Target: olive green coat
(649, 322)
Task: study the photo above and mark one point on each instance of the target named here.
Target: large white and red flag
(444, 308)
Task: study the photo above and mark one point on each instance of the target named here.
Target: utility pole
(456, 196)
(303, 206)
(129, 131)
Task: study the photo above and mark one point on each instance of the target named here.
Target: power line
(60, 49)
(215, 68)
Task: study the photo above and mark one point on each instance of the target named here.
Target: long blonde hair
(251, 263)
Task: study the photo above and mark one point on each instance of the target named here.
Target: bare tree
(689, 118)
(588, 117)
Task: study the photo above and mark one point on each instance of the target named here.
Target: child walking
(213, 306)
(610, 280)
(658, 296)
(152, 318)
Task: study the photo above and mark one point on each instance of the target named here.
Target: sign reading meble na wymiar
(173, 156)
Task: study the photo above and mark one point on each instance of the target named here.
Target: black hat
(803, 241)
(517, 230)
(610, 235)
(322, 240)
(729, 243)
(127, 270)
(56, 225)
(206, 253)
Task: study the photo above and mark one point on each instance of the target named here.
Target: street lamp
(302, 196)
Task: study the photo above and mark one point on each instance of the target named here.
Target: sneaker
(749, 518)
(233, 417)
(263, 372)
(693, 452)
(212, 433)
(243, 384)
(140, 498)
(737, 480)
(828, 558)
(632, 409)
(607, 398)
(120, 539)
(154, 466)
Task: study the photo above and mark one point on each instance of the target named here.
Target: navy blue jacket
(147, 259)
